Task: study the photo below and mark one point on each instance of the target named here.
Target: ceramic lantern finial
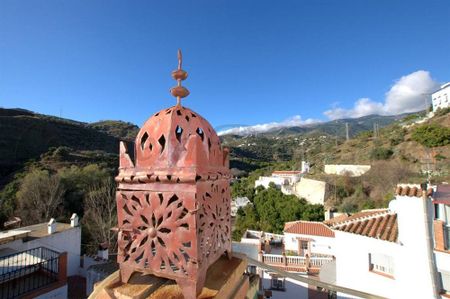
(179, 75)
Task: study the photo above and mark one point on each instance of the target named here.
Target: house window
(304, 245)
(381, 263)
(445, 281)
(436, 211)
(447, 236)
(447, 226)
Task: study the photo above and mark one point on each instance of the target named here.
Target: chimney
(413, 209)
(102, 251)
(51, 226)
(74, 220)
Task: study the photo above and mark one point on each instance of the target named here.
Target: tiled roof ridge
(317, 228)
(290, 223)
(412, 190)
(376, 213)
(382, 226)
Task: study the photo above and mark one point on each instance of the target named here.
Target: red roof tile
(308, 228)
(360, 215)
(336, 219)
(411, 191)
(379, 224)
(442, 194)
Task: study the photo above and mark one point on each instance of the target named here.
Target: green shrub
(365, 135)
(381, 153)
(410, 117)
(440, 157)
(432, 135)
(397, 136)
(440, 111)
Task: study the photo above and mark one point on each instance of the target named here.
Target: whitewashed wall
(266, 180)
(352, 264)
(66, 241)
(441, 98)
(323, 245)
(312, 190)
(415, 246)
(414, 275)
(342, 169)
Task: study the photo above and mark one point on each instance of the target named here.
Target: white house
(29, 253)
(294, 183)
(282, 180)
(238, 202)
(389, 252)
(353, 170)
(308, 238)
(441, 97)
(441, 233)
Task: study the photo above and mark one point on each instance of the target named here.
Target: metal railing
(27, 270)
(307, 280)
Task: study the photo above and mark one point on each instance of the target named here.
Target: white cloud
(294, 121)
(406, 95)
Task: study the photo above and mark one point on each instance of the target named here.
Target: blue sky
(249, 62)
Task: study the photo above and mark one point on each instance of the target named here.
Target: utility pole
(346, 132)
(426, 95)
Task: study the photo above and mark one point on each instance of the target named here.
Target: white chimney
(305, 167)
(74, 220)
(51, 226)
(414, 217)
(103, 251)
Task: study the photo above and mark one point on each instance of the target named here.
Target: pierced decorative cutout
(162, 142)
(143, 140)
(200, 133)
(162, 240)
(166, 229)
(178, 133)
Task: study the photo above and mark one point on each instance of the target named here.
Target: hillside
(315, 143)
(26, 136)
(334, 128)
(119, 129)
(404, 151)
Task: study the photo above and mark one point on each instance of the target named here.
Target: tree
(77, 182)
(40, 196)
(271, 209)
(100, 213)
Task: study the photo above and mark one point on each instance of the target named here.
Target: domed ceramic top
(175, 145)
(169, 137)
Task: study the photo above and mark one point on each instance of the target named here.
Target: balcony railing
(329, 287)
(296, 263)
(28, 270)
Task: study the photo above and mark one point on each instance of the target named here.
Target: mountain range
(26, 136)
